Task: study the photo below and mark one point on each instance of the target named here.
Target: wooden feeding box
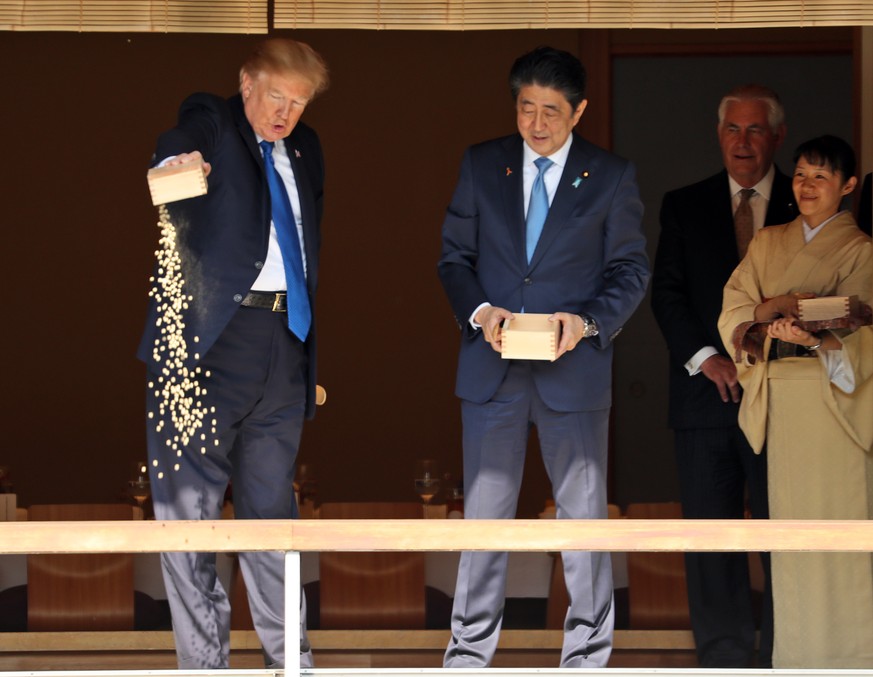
(530, 336)
(177, 182)
(826, 308)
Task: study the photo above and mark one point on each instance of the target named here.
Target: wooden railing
(294, 537)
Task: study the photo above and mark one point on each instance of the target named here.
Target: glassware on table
(455, 507)
(306, 489)
(427, 481)
(139, 487)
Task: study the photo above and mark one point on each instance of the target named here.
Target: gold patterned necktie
(744, 222)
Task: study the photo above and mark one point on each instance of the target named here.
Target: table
(529, 573)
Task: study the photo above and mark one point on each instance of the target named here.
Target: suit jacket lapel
(251, 142)
(510, 178)
(307, 205)
(569, 194)
(781, 208)
(246, 131)
(720, 205)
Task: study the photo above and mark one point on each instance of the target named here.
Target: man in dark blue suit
(588, 270)
(699, 247)
(230, 338)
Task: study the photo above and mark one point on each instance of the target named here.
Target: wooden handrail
(293, 537)
(434, 535)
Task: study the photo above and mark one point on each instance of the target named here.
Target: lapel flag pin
(508, 171)
(579, 179)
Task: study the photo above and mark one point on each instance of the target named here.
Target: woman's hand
(784, 305)
(784, 330)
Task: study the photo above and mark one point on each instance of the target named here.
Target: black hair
(828, 151)
(549, 67)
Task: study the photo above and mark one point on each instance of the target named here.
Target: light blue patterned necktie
(299, 313)
(538, 208)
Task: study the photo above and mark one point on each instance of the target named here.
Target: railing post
(292, 613)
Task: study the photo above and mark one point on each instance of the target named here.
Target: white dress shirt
(272, 275)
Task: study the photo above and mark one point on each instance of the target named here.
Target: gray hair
(775, 110)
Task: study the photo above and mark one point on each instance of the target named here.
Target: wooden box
(826, 308)
(530, 336)
(177, 182)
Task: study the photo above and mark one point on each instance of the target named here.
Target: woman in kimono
(809, 396)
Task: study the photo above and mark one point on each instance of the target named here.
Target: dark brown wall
(81, 113)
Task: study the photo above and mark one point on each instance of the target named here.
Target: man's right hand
(490, 318)
(185, 158)
(721, 371)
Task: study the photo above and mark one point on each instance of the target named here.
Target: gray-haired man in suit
(701, 242)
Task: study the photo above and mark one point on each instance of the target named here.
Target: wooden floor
(341, 653)
(388, 649)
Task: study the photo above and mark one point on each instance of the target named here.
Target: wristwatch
(589, 327)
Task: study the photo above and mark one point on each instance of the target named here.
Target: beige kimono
(819, 440)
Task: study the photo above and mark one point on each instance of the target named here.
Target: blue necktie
(538, 209)
(299, 313)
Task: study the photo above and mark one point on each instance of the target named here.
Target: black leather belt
(277, 301)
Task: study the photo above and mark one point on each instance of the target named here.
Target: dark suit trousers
(716, 466)
(574, 449)
(256, 384)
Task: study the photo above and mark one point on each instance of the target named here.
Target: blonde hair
(283, 56)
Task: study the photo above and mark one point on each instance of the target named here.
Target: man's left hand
(572, 331)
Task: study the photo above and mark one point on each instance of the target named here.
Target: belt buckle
(277, 301)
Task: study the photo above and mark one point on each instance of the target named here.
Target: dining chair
(82, 591)
(372, 590)
(240, 612)
(559, 601)
(657, 593)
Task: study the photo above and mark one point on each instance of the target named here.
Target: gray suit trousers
(574, 450)
(255, 393)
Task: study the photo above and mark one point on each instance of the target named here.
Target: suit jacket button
(527, 280)
(237, 298)
(259, 264)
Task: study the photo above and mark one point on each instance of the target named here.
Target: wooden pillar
(596, 124)
(863, 50)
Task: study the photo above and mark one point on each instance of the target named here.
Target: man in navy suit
(231, 353)
(698, 250)
(588, 270)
